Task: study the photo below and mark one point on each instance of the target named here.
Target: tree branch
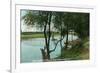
(56, 45)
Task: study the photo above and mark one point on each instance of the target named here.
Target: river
(30, 49)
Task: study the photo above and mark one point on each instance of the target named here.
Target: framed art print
(51, 36)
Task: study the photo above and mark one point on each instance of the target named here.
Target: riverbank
(76, 53)
(26, 35)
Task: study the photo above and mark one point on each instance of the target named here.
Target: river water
(30, 49)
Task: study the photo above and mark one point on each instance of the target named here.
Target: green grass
(27, 35)
(32, 36)
(76, 53)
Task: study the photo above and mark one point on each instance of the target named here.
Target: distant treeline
(29, 33)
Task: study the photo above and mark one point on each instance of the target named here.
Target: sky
(25, 28)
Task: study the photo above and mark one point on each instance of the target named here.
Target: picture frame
(16, 66)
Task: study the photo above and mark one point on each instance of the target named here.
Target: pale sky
(26, 28)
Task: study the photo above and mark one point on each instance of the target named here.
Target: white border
(15, 59)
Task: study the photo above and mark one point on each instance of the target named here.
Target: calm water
(30, 49)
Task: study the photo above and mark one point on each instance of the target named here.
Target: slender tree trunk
(45, 50)
(67, 37)
(46, 43)
(61, 31)
(61, 37)
(49, 35)
(72, 34)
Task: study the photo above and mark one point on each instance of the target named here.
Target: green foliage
(82, 24)
(29, 18)
(63, 22)
(77, 52)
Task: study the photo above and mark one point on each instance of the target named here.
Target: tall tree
(42, 19)
(81, 21)
(59, 25)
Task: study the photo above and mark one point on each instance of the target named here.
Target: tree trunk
(44, 55)
(49, 35)
(46, 40)
(67, 37)
(61, 37)
(61, 33)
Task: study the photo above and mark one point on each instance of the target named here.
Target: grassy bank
(77, 52)
(26, 35)
(32, 36)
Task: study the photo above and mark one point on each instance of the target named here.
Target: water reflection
(30, 49)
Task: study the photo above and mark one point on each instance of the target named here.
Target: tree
(63, 22)
(81, 21)
(29, 18)
(58, 24)
(42, 19)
